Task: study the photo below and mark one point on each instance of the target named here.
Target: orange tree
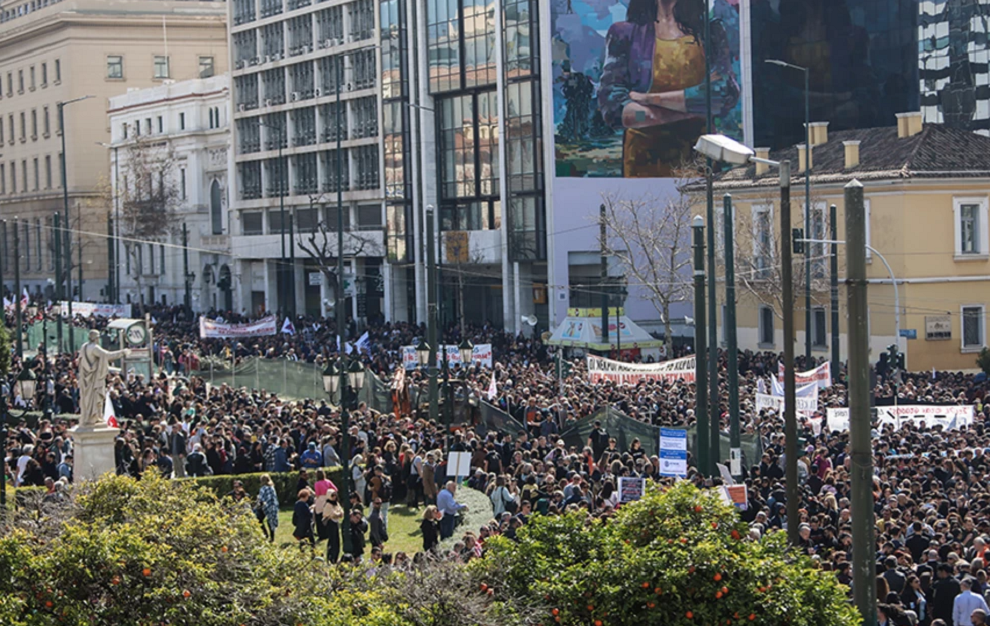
(677, 557)
(125, 552)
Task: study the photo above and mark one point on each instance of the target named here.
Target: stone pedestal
(93, 452)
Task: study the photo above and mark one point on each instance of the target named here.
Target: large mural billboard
(629, 84)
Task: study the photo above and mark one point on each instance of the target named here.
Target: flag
(761, 385)
(347, 346)
(364, 343)
(933, 372)
(492, 388)
(288, 328)
(108, 413)
(778, 388)
(7, 303)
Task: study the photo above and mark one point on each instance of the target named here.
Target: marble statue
(94, 363)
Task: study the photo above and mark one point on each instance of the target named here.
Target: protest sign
(631, 489)
(212, 329)
(600, 368)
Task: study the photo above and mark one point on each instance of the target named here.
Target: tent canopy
(582, 328)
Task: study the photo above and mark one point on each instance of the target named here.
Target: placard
(482, 356)
(631, 489)
(600, 368)
(737, 495)
(673, 452)
(264, 327)
(459, 464)
(949, 417)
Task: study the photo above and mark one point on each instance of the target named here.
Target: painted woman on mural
(653, 82)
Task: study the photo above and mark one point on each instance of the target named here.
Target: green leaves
(675, 553)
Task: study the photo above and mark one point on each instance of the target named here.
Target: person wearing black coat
(378, 535)
(944, 593)
(430, 527)
(358, 527)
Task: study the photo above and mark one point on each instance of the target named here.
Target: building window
(23, 127)
(763, 244)
(161, 124)
(58, 70)
(115, 67)
(819, 331)
(44, 74)
(216, 208)
(34, 124)
(24, 175)
(252, 223)
(3, 178)
(161, 67)
(766, 326)
(45, 123)
(205, 67)
(973, 328)
(13, 177)
(970, 227)
(48, 171)
(161, 264)
(123, 128)
(32, 80)
(182, 121)
(20, 81)
(182, 182)
(10, 84)
(37, 175)
(39, 251)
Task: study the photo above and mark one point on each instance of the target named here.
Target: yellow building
(927, 189)
(85, 51)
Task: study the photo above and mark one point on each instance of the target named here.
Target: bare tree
(149, 198)
(650, 237)
(321, 245)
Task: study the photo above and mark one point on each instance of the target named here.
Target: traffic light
(895, 361)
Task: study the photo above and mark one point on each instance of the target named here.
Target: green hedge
(285, 485)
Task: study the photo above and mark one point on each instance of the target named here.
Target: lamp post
(18, 348)
(431, 317)
(807, 200)
(731, 344)
(65, 207)
(340, 377)
(283, 284)
(700, 349)
(722, 148)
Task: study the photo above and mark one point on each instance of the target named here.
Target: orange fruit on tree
(48, 604)
(657, 591)
(735, 534)
(646, 585)
(115, 580)
(223, 549)
(718, 595)
(697, 508)
(186, 593)
(650, 605)
(555, 612)
(752, 616)
(689, 615)
(725, 590)
(491, 591)
(484, 587)
(591, 608)
(718, 577)
(146, 571)
(598, 622)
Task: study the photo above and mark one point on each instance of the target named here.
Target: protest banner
(600, 368)
(482, 356)
(821, 375)
(86, 309)
(631, 489)
(212, 329)
(949, 417)
(737, 495)
(673, 452)
(806, 399)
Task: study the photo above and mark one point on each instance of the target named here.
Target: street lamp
(466, 348)
(807, 200)
(722, 148)
(338, 376)
(423, 350)
(27, 383)
(68, 229)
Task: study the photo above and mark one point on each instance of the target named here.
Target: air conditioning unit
(268, 102)
(241, 107)
(294, 96)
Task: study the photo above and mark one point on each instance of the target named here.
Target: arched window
(216, 212)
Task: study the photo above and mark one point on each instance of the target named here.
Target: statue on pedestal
(94, 364)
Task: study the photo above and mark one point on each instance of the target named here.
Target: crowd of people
(931, 485)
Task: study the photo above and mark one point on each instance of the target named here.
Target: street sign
(909, 333)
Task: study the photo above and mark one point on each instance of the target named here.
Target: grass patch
(403, 531)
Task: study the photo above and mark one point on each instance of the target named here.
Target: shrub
(132, 552)
(983, 360)
(285, 483)
(678, 557)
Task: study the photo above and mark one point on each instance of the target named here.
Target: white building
(180, 132)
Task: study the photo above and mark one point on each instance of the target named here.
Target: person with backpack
(502, 500)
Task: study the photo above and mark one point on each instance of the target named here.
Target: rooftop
(935, 152)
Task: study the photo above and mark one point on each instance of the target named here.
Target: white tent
(585, 331)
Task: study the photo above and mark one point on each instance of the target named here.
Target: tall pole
(861, 448)
(284, 290)
(67, 230)
(57, 236)
(790, 416)
(112, 274)
(17, 289)
(713, 389)
(187, 297)
(700, 365)
(345, 526)
(834, 279)
(116, 222)
(292, 261)
(431, 312)
(807, 221)
(731, 343)
(604, 278)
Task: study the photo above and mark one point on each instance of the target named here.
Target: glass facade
(861, 54)
(395, 141)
